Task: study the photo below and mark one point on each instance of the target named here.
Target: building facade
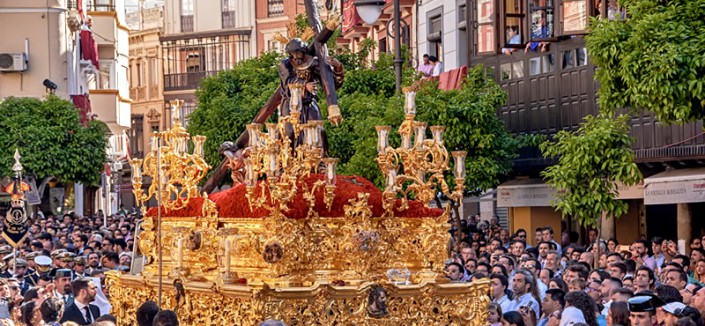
(78, 51)
(442, 32)
(354, 30)
(536, 52)
(272, 17)
(201, 38)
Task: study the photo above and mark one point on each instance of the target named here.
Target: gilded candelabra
(284, 162)
(175, 172)
(422, 161)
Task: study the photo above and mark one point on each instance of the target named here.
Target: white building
(442, 31)
(83, 53)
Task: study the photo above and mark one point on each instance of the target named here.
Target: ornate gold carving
(424, 161)
(286, 164)
(174, 171)
(320, 304)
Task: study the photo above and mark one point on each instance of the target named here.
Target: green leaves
(51, 140)
(655, 60)
(592, 163)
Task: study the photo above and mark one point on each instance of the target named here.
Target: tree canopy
(51, 140)
(654, 60)
(592, 163)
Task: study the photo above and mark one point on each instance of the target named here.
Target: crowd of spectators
(58, 276)
(550, 281)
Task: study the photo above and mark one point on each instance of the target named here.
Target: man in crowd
(524, 286)
(642, 309)
(552, 302)
(81, 311)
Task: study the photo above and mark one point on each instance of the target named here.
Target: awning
(675, 187)
(524, 193)
(535, 193)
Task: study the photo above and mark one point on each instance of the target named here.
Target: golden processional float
(295, 241)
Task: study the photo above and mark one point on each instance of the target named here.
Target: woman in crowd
(558, 283)
(31, 316)
(618, 314)
(700, 271)
(612, 245)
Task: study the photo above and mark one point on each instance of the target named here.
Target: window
(228, 14)
(512, 70)
(275, 8)
(486, 31)
(193, 62)
(187, 15)
(106, 68)
(186, 111)
(541, 23)
(187, 7)
(514, 22)
(383, 45)
(462, 36)
(575, 17)
(435, 32)
(574, 58)
(135, 136)
(140, 75)
(541, 65)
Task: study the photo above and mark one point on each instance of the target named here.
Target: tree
(654, 60)
(592, 162)
(51, 140)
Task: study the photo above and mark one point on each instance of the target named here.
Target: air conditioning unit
(13, 62)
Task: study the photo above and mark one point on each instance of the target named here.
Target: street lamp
(369, 11)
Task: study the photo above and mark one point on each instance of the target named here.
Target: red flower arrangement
(232, 203)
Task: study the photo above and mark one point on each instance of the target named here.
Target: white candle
(437, 133)
(227, 256)
(180, 252)
(391, 178)
(410, 102)
(382, 138)
(154, 141)
(420, 133)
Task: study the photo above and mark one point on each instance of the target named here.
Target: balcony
(275, 8)
(185, 81)
(101, 5)
(111, 108)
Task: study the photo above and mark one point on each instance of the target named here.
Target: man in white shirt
(523, 285)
